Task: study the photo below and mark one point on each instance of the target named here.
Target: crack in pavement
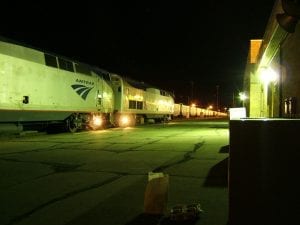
(54, 147)
(186, 157)
(57, 167)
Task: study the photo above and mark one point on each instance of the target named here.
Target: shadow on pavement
(224, 149)
(145, 219)
(218, 175)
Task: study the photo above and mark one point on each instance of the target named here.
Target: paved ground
(100, 177)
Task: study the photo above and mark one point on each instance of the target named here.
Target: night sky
(186, 47)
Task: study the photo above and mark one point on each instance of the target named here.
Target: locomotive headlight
(97, 121)
(124, 120)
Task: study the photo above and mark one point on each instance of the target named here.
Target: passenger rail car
(45, 88)
(191, 111)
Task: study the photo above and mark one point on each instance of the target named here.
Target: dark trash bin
(264, 167)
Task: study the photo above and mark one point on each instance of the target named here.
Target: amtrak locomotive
(137, 102)
(42, 88)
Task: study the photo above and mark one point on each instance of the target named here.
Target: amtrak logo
(82, 90)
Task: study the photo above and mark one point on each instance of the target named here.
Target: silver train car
(38, 87)
(193, 111)
(137, 102)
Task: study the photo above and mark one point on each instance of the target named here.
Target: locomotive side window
(135, 104)
(139, 105)
(50, 60)
(65, 65)
(106, 76)
(163, 93)
(82, 69)
(132, 104)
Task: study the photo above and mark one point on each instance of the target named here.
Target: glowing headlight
(124, 120)
(97, 121)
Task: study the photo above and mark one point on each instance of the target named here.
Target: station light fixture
(268, 75)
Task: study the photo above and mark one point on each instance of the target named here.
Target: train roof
(25, 45)
(145, 86)
(30, 47)
(137, 84)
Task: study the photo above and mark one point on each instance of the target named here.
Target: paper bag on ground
(156, 194)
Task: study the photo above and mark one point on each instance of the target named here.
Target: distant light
(243, 96)
(193, 105)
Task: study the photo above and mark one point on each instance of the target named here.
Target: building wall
(255, 97)
(279, 51)
(290, 60)
(252, 85)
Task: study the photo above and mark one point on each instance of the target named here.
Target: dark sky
(187, 47)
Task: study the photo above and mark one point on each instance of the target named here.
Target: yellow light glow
(193, 105)
(138, 97)
(268, 75)
(124, 120)
(97, 121)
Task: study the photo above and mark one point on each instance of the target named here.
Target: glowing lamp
(268, 75)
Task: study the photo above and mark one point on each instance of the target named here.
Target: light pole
(217, 87)
(192, 91)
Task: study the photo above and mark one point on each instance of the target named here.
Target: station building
(272, 73)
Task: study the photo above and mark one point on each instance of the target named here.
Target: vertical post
(280, 83)
(217, 97)
(192, 91)
(272, 103)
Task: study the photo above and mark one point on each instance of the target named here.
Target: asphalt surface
(100, 177)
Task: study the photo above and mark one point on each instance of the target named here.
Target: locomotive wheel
(72, 126)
